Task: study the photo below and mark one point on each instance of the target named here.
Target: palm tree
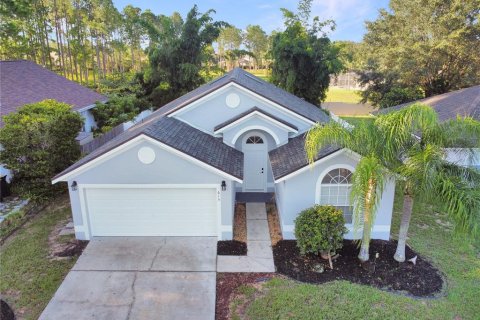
(409, 143)
(427, 175)
(369, 177)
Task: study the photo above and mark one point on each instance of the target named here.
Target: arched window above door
(254, 140)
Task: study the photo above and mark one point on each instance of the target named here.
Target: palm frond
(320, 136)
(368, 182)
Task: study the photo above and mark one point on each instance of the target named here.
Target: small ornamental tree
(38, 142)
(320, 229)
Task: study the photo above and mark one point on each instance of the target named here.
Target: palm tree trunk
(364, 254)
(404, 224)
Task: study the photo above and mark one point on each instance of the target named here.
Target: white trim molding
(132, 143)
(228, 85)
(256, 127)
(259, 114)
(348, 152)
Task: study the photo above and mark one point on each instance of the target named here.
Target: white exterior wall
(89, 121)
(125, 168)
(232, 135)
(5, 172)
(207, 113)
(299, 192)
(464, 157)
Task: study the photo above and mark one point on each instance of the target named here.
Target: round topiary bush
(320, 229)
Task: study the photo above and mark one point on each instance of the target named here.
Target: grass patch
(342, 95)
(12, 221)
(28, 277)
(356, 120)
(261, 73)
(430, 235)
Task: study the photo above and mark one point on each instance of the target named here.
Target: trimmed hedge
(320, 228)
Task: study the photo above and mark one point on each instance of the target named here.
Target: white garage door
(152, 211)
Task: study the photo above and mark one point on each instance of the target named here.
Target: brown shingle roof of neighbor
(463, 102)
(292, 156)
(24, 81)
(204, 148)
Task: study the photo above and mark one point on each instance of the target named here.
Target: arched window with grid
(335, 190)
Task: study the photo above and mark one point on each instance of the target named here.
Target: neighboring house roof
(256, 85)
(292, 156)
(180, 136)
(463, 102)
(249, 111)
(23, 82)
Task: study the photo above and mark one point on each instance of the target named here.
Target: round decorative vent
(146, 155)
(232, 100)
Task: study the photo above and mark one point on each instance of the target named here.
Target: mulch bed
(6, 313)
(421, 280)
(240, 222)
(231, 248)
(227, 283)
(273, 223)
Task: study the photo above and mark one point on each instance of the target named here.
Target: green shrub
(320, 228)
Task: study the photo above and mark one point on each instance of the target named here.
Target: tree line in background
(415, 49)
(83, 40)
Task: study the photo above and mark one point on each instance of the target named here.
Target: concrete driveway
(139, 278)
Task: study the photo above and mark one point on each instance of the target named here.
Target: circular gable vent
(232, 100)
(146, 155)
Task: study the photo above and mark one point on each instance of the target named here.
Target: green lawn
(356, 120)
(262, 74)
(342, 95)
(431, 236)
(28, 279)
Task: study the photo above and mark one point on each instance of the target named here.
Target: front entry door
(255, 162)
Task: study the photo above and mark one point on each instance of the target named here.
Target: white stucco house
(23, 82)
(448, 106)
(180, 171)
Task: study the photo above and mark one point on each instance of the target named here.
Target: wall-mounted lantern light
(224, 185)
(74, 186)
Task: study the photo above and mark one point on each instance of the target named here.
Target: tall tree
(428, 43)
(229, 41)
(177, 53)
(303, 56)
(256, 41)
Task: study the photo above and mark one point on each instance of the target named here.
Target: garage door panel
(152, 211)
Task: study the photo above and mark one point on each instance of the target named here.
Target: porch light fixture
(74, 186)
(224, 185)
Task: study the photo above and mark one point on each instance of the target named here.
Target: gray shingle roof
(243, 114)
(181, 137)
(23, 82)
(292, 156)
(196, 143)
(463, 102)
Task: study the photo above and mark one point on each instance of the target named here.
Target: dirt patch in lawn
(231, 285)
(273, 223)
(64, 247)
(240, 222)
(231, 248)
(421, 280)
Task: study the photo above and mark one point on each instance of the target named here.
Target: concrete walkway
(259, 256)
(139, 278)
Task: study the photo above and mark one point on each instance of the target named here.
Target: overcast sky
(349, 15)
